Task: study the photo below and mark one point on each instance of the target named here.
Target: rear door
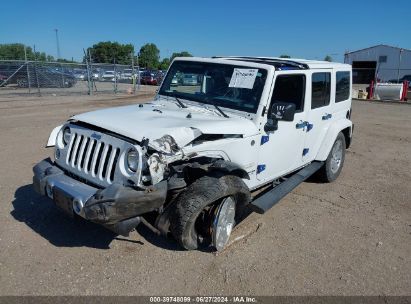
(319, 114)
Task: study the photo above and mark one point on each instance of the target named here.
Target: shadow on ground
(41, 215)
(167, 243)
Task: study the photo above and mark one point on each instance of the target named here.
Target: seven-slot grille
(93, 156)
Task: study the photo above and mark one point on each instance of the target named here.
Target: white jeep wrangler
(236, 138)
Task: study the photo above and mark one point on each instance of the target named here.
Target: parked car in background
(149, 78)
(46, 76)
(190, 79)
(127, 74)
(174, 81)
(80, 74)
(110, 76)
(97, 74)
(2, 79)
(159, 75)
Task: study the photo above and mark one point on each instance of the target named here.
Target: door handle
(305, 125)
(301, 124)
(327, 116)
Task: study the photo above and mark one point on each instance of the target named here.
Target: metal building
(381, 63)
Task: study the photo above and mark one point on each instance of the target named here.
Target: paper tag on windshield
(243, 78)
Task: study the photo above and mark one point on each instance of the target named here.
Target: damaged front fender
(174, 140)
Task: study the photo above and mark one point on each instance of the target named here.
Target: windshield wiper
(217, 108)
(221, 111)
(180, 102)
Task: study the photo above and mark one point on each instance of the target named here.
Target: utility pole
(399, 65)
(27, 66)
(57, 43)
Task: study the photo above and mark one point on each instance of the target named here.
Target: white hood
(155, 120)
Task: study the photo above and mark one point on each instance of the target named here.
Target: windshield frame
(233, 63)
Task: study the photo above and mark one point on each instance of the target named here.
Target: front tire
(197, 207)
(335, 161)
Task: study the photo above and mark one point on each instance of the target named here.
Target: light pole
(399, 65)
(57, 43)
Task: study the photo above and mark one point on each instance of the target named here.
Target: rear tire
(335, 161)
(191, 223)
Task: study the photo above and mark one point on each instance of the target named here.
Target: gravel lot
(351, 237)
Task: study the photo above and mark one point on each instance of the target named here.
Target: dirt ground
(351, 237)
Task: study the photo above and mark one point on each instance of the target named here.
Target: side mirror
(279, 111)
(271, 125)
(283, 111)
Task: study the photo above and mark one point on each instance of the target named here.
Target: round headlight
(66, 135)
(132, 160)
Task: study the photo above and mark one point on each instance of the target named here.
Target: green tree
(111, 52)
(180, 54)
(12, 51)
(149, 56)
(15, 51)
(328, 58)
(41, 56)
(285, 56)
(164, 64)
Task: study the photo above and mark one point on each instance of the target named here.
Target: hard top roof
(276, 62)
(281, 63)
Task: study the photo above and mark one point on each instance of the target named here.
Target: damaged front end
(117, 207)
(113, 181)
(167, 151)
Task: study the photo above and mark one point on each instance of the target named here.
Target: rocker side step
(266, 201)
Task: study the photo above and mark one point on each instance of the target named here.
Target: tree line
(105, 52)
(148, 56)
(18, 51)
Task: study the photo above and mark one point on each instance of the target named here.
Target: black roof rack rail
(277, 63)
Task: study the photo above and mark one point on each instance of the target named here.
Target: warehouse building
(383, 63)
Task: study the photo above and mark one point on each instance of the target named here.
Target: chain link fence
(21, 77)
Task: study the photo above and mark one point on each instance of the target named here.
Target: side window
(290, 88)
(321, 85)
(342, 86)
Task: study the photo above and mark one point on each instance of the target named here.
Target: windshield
(229, 86)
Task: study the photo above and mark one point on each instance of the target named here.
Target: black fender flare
(229, 167)
(208, 166)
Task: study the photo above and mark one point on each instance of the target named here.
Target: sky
(301, 29)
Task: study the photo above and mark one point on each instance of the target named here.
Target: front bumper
(117, 207)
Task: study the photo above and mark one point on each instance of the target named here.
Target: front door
(281, 150)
